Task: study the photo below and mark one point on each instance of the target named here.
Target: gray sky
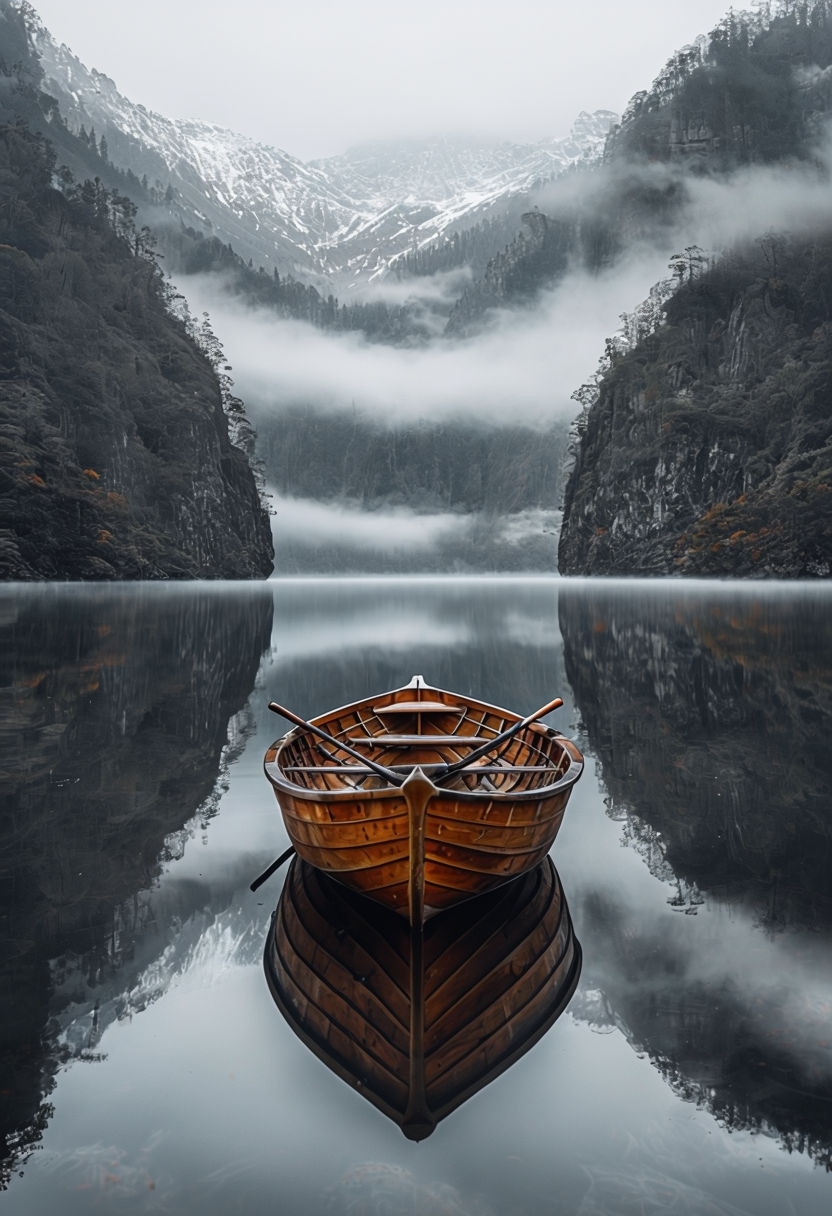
(317, 76)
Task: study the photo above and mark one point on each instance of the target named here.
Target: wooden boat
(422, 798)
(419, 1020)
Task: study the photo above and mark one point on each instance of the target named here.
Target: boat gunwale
(281, 782)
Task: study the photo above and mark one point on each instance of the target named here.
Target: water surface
(144, 1064)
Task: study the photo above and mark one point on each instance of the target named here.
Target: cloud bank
(320, 522)
(522, 370)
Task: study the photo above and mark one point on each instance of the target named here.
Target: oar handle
(388, 774)
(267, 873)
(498, 740)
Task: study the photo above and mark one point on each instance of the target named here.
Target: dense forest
(493, 488)
(445, 466)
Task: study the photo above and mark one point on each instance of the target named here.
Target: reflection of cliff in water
(755, 1054)
(119, 714)
(708, 717)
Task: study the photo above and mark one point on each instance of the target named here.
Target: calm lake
(143, 1063)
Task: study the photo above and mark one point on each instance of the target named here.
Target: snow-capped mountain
(345, 218)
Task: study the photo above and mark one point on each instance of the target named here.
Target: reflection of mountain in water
(120, 713)
(708, 718)
(419, 1021)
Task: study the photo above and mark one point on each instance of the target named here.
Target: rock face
(115, 456)
(709, 449)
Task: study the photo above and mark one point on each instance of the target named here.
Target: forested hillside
(444, 466)
(709, 450)
(114, 445)
(756, 91)
(706, 448)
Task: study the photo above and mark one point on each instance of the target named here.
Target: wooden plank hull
(418, 1020)
(423, 846)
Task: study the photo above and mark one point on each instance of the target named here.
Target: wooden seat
(416, 740)
(476, 770)
(418, 707)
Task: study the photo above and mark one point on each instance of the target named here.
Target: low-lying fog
(322, 538)
(524, 368)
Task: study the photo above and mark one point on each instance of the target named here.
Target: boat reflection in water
(420, 1020)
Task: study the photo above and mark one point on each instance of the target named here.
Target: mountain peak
(345, 217)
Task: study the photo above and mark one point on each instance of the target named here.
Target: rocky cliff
(709, 449)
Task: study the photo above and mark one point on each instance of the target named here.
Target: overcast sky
(316, 76)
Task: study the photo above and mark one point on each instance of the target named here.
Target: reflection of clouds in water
(531, 630)
(380, 1189)
(781, 987)
(350, 615)
(791, 1007)
(630, 1191)
(339, 637)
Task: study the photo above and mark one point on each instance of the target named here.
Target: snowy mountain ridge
(343, 219)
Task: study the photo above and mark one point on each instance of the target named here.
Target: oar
(258, 882)
(496, 742)
(388, 774)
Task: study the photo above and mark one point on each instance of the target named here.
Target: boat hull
(420, 848)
